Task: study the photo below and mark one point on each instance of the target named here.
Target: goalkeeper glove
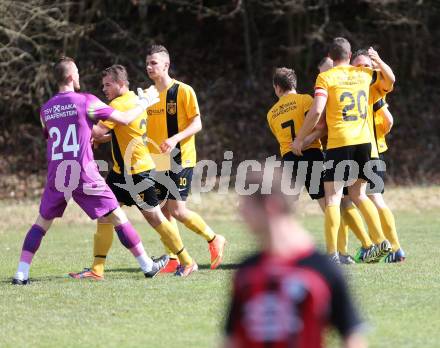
(148, 97)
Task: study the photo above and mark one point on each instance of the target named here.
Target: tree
(32, 33)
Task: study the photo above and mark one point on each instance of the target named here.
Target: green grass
(400, 302)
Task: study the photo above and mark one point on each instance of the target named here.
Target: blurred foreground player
(67, 120)
(286, 294)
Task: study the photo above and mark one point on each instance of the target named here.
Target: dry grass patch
(221, 207)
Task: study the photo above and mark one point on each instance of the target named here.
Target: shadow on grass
(126, 270)
(39, 279)
(224, 266)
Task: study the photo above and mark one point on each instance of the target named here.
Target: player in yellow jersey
(350, 217)
(382, 121)
(343, 92)
(285, 118)
(172, 125)
(132, 165)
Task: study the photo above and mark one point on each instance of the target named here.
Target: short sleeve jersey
(289, 303)
(286, 118)
(375, 103)
(68, 118)
(380, 130)
(347, 89)
(129, 143)
(172, 114)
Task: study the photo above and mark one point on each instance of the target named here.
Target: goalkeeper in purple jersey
(67, 120)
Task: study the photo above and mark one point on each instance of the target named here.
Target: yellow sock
(184, 257)
(354, 221)
(332, 222)
(168, 250)
(371, 216)
(343, 238)
(103, 240)
(172, 255)
(389, 227)
(195, 223)
(171, 238)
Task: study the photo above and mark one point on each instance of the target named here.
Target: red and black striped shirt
(288, 303)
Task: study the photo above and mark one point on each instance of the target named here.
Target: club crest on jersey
(172, 107)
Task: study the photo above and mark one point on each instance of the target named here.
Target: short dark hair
(360, 52)
(340, 49)
(117, 72)
(157, 49)
(285, 78)
(61, 69)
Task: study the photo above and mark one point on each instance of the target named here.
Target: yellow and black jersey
(378, 107)
(375, 104)
(286, 118)
(380, 128)
(129, 143)
(347, 88)
(171, 115)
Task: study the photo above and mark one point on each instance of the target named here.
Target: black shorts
(345, 190)
(314, 160)
(376, 178)
(174, 185)
(347, 162)
(144, 199)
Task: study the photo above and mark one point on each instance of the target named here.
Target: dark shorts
(345, 190)
(376, 178)
(174, 185)
(347, 162)
(142, 194)
(312, 167)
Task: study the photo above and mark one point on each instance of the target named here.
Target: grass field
(400, 302)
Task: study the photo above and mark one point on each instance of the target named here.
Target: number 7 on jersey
(290, 124)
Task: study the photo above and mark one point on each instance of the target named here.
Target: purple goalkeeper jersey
(68, 119)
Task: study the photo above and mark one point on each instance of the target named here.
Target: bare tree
(32, 33)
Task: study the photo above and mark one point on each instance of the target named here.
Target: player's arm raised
(311, 120)
(146, 99)
(387, 82)
(388, 119)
